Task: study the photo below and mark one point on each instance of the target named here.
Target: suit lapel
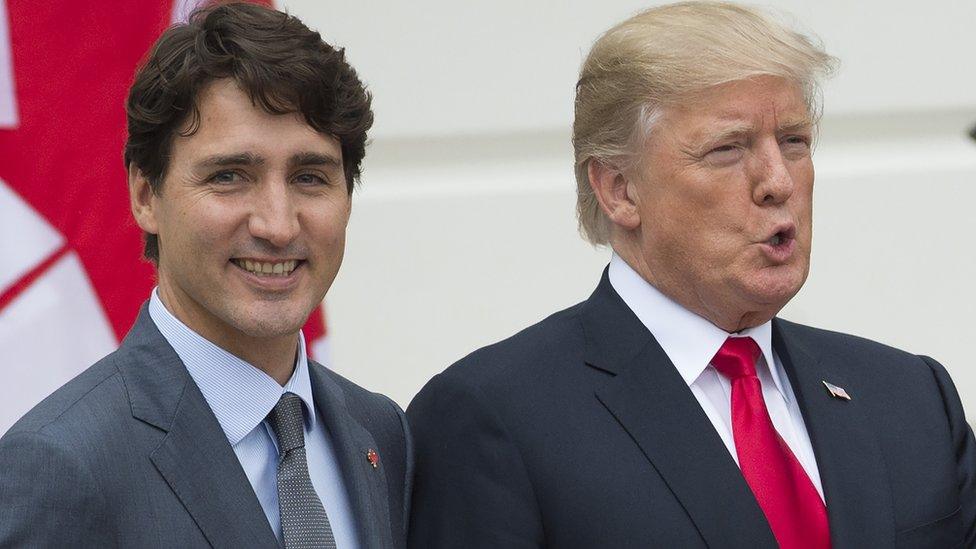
(202, 469)
(657, 409)
(366, 484)
(194, 456)
(852, 469)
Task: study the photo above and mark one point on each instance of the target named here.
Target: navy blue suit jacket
(129, 454)
(579, 432)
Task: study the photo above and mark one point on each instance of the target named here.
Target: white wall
(464, 230)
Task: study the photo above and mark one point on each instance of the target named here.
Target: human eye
(725, 154)
(311, 179)
(796, 144)
(226, 177)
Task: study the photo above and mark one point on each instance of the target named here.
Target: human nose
(274, 217)
(773, 182)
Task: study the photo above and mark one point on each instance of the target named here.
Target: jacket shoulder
(51, 459)
(877, 364)
(72, 407)
(837, 342)
(360, 399)
(555, 339)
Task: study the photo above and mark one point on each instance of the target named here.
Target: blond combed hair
(667, 54)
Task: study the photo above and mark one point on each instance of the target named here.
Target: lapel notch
(194, 457)
(651, 401)
(201, 468)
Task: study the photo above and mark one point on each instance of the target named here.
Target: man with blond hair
(673, 408)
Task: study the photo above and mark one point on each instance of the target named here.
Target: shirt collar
(689, 340)
(240, 395)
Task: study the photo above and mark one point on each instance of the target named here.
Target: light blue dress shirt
(241, 396)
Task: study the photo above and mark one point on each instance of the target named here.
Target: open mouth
(782, 237)
(268, 268)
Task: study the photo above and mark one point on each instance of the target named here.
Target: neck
(275, 356)
(723, 315)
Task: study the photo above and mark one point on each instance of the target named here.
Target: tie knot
(737, 357)
(287, 422)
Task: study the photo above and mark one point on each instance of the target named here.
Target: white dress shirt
(241, 396)
(690, 342)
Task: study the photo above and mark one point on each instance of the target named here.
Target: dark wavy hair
(280, 63)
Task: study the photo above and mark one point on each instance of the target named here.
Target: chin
(270, 331)
(774, 290)
(265, 325)
(776, 296)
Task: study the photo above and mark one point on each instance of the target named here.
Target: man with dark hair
(210, 425)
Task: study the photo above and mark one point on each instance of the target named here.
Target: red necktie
(795, 512)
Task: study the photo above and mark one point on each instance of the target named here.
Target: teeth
(775, 240)
(281, 268)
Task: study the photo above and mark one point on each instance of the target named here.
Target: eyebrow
(796, 125)
(314, 159)
(248, 159)
(735, 130)
(235, 159)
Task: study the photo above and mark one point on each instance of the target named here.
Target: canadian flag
(71, 274)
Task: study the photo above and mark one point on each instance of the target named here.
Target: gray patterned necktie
(304, 523)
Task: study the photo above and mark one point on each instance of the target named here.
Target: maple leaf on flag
(72, 279)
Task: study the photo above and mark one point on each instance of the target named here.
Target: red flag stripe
(73, 63)
(25, 281)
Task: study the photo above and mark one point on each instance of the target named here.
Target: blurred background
(463, 231)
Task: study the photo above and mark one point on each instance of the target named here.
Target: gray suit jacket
(129, 454)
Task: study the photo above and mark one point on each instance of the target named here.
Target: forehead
(762, 103)
(230, 121)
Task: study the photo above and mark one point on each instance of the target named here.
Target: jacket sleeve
(471, 487)
(964, 446)
(47, 497)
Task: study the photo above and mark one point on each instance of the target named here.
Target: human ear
(615, 194)
(141, 200)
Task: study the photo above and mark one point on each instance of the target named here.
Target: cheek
(802, 209)
(206, 228)
(803, 176)
(326, 226)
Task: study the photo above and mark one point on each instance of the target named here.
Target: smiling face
(725, 202)
(251, 219)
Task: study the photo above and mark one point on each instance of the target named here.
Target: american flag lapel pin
(373, 458)
(835, 391)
